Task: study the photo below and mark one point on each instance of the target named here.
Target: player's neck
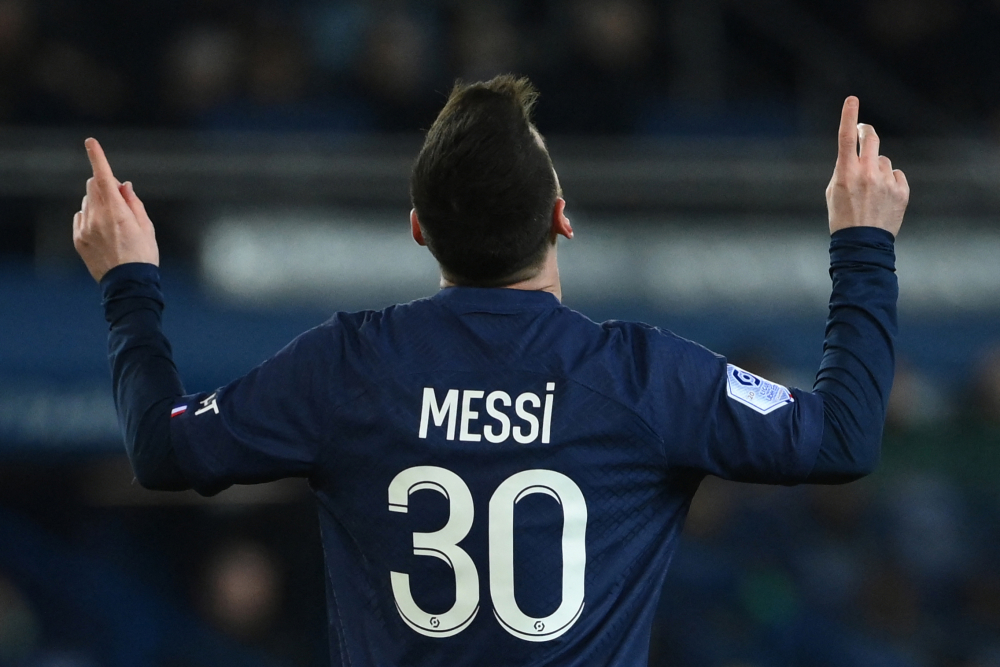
(546, 280)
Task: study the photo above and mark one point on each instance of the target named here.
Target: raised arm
(116, 240)
(866, 200)
(268, 424)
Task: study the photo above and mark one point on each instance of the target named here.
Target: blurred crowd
(87, 584)
(900, 569)
(889, 572)
(604, 66)
(897, 570)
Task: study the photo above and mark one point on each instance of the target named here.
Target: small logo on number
(539, 626)
(435, 622)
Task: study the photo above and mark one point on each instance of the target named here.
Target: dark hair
(483, 185)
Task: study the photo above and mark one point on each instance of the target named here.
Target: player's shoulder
(662, 343)
(376, 335)
(372, 321)
(340, 328)
(663, 365)
(635, 361)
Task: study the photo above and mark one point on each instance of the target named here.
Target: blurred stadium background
(271, 141)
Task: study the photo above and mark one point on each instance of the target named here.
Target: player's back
(495, 490)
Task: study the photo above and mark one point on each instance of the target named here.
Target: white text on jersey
(501, 427)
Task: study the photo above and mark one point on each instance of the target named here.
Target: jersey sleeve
(733, 424)
(269, 424)
(736, 425)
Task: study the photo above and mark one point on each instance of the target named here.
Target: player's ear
(418, 234)
(560, 223)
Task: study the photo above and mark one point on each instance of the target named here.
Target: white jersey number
(443, 544)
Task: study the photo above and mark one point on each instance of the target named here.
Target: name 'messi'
(524, 418)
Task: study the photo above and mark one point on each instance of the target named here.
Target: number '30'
(443, 544)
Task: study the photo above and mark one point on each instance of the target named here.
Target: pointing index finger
(99, 163)
(848, 140)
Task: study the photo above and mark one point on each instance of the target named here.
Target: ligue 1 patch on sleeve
(755, 392)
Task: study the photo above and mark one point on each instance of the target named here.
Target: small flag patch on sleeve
(178, 410)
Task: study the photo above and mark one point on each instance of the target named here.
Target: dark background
(685, 123)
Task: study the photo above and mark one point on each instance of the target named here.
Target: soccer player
(500, 480)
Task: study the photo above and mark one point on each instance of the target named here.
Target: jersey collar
(495, 299)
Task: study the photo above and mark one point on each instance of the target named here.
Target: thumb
(134, 203)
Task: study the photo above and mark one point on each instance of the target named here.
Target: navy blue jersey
(500, 479)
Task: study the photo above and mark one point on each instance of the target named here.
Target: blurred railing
(265, 235)
(635, 175)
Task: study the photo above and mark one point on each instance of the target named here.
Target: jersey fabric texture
(500, 480)
(637, 417)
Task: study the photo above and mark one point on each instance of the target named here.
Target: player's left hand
(111, 227)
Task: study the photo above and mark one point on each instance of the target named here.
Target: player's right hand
(111, 227)
(865, 190)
